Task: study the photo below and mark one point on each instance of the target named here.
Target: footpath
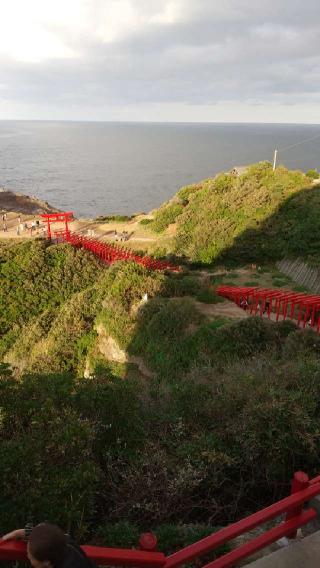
(298, 554)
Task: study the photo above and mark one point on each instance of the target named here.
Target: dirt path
(223, 309)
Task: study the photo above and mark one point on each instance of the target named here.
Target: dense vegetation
(192, 449)
(119, 414)
(258, 216)
(313, 174)
(40, 288)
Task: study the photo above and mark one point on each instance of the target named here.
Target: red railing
(109, 253)
(301, 307)
(302, 491)
(101, 556)
(290, 508)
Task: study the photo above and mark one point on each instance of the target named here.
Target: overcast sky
(160, 60)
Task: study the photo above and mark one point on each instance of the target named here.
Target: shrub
(230, 283)
(208, 296)
(177, 285)
(279, 282)
(302, 342)
(120, 290)
(219, 322)
(162, 335)
(300, 288)
(239, 339)
(172, 538)
(165, 216)
(146, 222)
(285, 327)
(159, 252)
(277, 425)
(44, 442)
(247, 218)
(313, 174)
(110, 218)
(36, 281)
(123, 534)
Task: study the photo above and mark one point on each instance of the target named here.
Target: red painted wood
(148, 541)
(109, 253)
(12, 550)
(59, 217)
(224, 535)
(300, 481)
(283, 303)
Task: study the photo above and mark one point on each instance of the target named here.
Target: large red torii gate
(57, 218)
(107, 252)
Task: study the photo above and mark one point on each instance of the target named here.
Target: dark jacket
(76, 558)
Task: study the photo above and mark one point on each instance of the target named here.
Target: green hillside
(258, 216)
(119, 414)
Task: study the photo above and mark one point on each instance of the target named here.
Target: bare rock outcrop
(20, 203)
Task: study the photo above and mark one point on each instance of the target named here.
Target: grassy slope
(186, 445)
(53, 299)
(261, 215)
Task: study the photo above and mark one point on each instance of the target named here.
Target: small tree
(313, 174)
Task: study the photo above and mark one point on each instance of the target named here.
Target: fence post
(148, 542)
(300, 481)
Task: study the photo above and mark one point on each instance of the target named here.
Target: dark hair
(48, 542)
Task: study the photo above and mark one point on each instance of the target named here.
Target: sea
(101, 168)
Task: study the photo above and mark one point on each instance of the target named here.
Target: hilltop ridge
(258, 215)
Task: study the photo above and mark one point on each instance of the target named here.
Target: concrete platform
(300, 554)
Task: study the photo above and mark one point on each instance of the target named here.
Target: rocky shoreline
(20, 203)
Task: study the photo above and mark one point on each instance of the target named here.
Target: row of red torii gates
(108, 253)
(298, 306)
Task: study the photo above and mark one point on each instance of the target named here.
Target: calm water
(100, 168)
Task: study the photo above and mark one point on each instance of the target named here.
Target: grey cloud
(261, 51)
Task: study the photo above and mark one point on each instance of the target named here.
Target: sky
(160, 60)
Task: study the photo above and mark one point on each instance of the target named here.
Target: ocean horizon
(99, 168)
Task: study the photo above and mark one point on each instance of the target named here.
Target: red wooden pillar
(293, 305)
(300, 481)
(67, 228)
(49, 228)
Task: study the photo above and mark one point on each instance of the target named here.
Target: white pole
(275, 159)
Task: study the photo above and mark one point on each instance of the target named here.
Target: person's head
(47, 546)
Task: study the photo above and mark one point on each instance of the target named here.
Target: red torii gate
(57, 218)
(303, 307)
(107, 252)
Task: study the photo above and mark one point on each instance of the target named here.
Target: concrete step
(298, 554)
